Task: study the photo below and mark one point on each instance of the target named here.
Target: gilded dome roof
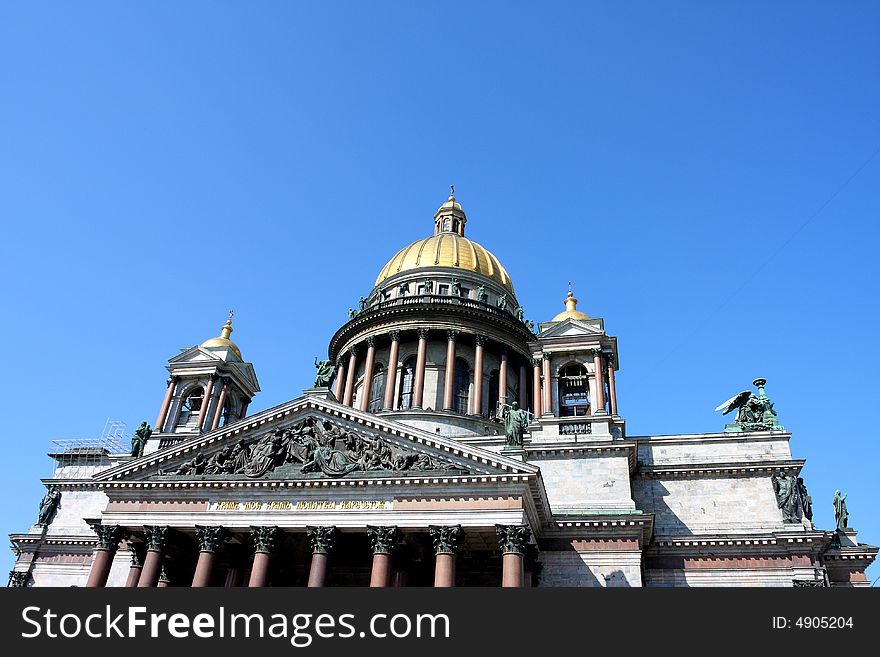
(223, 341)
(448, 247)
(447, 250)
(571, 311)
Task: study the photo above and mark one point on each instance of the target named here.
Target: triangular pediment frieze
(572, 328)
(314, 437)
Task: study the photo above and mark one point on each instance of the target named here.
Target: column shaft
(449, 384)
(100, 568)
(203, 411)
(599, 406)
(444, 570)
(421, 357)
(218, 414)
(523, 387)
(339, 383)
(152, 568)
(612, 389)
(134, 574)
(260, 570)
(478, 375)
(166, 404)
(391, 379)
(512, 569)
(318, 570)
(536, 390)
(380, 576)
(548, 393)
(204, 569)
(364, 401)
(349, 379)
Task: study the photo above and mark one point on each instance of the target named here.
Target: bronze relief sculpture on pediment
(314, 446)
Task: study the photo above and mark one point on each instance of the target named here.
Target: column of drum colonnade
(348, 363)
(446, 540)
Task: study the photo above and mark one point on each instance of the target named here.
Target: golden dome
(447, 249)
(571, 311)
(223, 342)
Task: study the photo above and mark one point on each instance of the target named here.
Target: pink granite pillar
(481, 341)
(612, 388)
(364, 401)
(349, 380)
(599, 406)
(449, 383)
(391, 379)
(218, 414)
(421, 358)
(166, 404)
(536, 386)
(548, 382)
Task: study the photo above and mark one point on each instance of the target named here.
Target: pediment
(194, 355)
(571, 328)
(314, 437)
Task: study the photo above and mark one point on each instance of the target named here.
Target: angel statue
(753, 412)
(325, 373)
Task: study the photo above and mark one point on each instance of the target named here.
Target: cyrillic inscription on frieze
(302, 505)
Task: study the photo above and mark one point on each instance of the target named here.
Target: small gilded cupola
(450, 217)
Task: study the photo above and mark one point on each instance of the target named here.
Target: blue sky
(706, 174)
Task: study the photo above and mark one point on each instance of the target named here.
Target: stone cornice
(775, 542)
(732, 437)
(594, 525)
(441, 314)
(20, 540)
(747, 468)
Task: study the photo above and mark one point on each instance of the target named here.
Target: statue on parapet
(753, 412)
(841, 515)
(139, 439)
(48, 505)
(515, 420)
(326, 370)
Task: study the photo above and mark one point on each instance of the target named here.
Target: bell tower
(209, 386)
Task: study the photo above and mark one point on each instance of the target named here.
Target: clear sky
(706, 174)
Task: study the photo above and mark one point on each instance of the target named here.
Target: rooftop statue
(139, 439)
(429, 286)
(363, 303)
(753, 412)
(841, 515)
(403, 290)
(326, 370)
(482, 295)
(352, 313)
(515, 420)
(456, 288)
(48, 506)
(502, 302)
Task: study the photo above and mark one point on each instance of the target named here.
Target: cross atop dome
(450, 217)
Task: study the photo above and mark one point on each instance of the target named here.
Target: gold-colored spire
(571, 311)
(227, 329)
(223, 341)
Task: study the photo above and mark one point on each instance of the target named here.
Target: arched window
(377, 389)
(407, 379)
(192, 404)
(462, 385)
(574, 396)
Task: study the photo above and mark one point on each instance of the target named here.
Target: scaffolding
(76, 458)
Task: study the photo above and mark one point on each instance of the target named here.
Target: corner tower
(209, 386)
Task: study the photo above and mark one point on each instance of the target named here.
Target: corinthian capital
(513, 538)
(446, 538)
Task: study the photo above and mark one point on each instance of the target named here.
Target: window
(462, 385)
(377, 389)
(574, 396)
(407, 379)
(192, 404)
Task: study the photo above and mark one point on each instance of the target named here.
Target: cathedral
(447, 441)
